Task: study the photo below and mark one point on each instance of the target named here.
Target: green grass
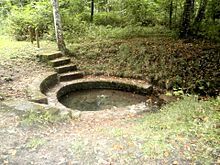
(41, 118)
(35, 143)
(78, 146)
(12, 49)
(108, 32)
(186, 129)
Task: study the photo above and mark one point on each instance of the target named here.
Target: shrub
(213, 31)
(34, 15)
(73, 27)
(84, 16)
(113, 19)
(141, 12)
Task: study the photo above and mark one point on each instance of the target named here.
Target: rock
(22, 105)
(74, 114)
(25, 106)
(52, 110)
(8, 79)
(168, 99)
(68, 113)
(141, 108)
(154, 101)
(1, 98)
(72, 163)
(175, 163)
(5, 162)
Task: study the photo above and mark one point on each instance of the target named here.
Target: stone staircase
(62, 65)
(48, 87)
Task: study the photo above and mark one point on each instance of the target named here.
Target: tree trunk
(92, 10)
(171, 14)
(201, 13)
(186, 18)
(106, 5)
(193, 9)
(58, 28)
(175, 10)
(200, 16)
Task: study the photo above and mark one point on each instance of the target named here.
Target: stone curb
(37, 89)
(99, 83)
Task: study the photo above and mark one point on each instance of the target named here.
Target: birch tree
(58, 27)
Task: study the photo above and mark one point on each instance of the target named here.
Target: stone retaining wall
(49, 82)
(86, 84)
(37, 89)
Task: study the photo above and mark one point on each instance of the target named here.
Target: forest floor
(185, 132)
(164, 61)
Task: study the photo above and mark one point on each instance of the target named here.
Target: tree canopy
(197, 18)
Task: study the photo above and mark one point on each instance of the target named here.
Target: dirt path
(90, 140)
(107, 137)
(16, 74)
(84, 141)
(103, 138)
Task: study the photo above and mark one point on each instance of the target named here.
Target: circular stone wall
(89, 85)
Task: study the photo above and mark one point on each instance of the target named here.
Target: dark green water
(100, 99)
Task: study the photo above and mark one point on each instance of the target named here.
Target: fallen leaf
(12, 152)
(166, 153)
(175, 163)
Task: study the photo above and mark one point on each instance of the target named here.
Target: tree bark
(186, 19)
(171, 14)
(200, 16)
(193, 9)
(58, 27)
(92, 10)
(201, 13)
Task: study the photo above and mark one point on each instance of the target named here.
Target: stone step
(65, 68)
(59, 61)
(71, 76)
(50, 56)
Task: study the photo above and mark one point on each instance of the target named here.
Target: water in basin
(100, 99)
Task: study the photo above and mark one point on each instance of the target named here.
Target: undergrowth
(11, 49)
(164, 61)
(185, 130)
(92, 32)
(188, 127)
(138, 31)
(35, 143)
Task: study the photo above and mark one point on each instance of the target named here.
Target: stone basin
(98, 94)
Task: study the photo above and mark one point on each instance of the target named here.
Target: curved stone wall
(37, 89)
(49, 82)
(141, 89)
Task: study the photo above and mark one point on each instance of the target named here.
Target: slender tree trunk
(171, 14)
(92, 10)
(175, 10)
(58, 28)
(106, 5)
(200, 16)
(186, 19)
(193, 9)
(201, 13)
